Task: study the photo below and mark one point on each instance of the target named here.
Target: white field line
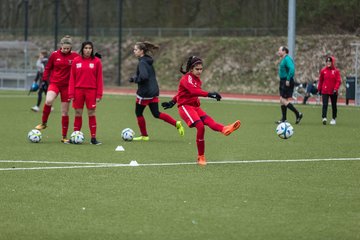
(48, 162)
(65, 167)
(78, 165)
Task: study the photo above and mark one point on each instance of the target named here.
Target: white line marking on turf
(288, 160)
(65, 167)
(49, 162)
(112, 165)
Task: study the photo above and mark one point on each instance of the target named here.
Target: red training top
(58, 67)
(189, 91)
(329, 79)
(86, 73)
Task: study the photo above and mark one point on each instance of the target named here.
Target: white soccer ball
(77, 137)
(284, 130)
(127, 134)
(34, 136)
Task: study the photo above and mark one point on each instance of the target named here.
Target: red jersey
(329, 79)
(189, 91)
(86, 73)
(57, 70)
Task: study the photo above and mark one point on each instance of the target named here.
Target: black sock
(305, 99)
(283, 111)
(292, 108)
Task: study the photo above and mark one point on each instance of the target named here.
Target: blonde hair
(66, 40)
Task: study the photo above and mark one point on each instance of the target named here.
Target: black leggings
(154, 108)
(325, 102)
(42, 89)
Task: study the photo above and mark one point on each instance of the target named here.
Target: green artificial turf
(50, 190)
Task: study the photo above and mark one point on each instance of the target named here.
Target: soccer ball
(34, 87)
(34, 136)
(77, 137)
(127, 134)
(284, 130)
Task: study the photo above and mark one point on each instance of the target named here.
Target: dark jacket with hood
(146, 79)
(330, 79)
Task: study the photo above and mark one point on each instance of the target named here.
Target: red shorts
(60, 89)
(146, 101)
(84, 95)
(191, 114)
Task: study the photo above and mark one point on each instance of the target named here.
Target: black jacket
(146, 79)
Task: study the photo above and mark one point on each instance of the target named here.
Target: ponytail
(191, 62)
(147, 47)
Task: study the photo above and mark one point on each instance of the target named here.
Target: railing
(154, 32)
(16, 79)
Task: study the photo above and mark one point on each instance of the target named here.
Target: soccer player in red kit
(86, 87)
(189, 108)
(57, 71)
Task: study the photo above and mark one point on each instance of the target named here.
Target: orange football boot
(201, 160)
(41, 126)
(227, 130)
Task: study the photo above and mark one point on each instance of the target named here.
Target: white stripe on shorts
(187, 114)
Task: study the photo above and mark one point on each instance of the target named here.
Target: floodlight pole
(26, 26)
(56, 27)
(120, 10)
(291, 27)
(87, 26)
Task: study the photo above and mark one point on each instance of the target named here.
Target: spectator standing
(40, 65)
(329, 83)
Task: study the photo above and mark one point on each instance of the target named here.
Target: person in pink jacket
(329, 83)
(57, 73)
(86, 87)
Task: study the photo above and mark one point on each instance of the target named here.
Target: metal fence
(154, 32)
(17, 70)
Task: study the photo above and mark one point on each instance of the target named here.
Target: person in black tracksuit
(148, 90)
(40, 64)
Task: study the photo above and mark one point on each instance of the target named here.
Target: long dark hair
(191, 62)
(82, 48)
(147, 47)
